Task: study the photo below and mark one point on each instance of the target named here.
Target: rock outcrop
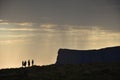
(67, 56)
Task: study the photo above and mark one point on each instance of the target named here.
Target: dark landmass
(71, 66)
(108, 55)
(100, 71)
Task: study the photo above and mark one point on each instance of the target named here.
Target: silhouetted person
(28, 63)
(32, 62)
(25, 63)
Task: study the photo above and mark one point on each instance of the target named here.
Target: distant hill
(107, 55)
(109, 71)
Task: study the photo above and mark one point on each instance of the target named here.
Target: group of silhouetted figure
(25, 63)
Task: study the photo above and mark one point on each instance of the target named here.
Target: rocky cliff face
(67, 56)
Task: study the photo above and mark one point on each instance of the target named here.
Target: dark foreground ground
(109, 71)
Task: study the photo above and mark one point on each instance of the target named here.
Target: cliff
(67, 56)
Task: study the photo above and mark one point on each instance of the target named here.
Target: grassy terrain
(64, 72)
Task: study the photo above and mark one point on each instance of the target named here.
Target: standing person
(25, 63)
(28, 63)
(32, 62)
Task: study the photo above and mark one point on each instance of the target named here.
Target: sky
(36, 29)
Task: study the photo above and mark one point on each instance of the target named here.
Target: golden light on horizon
(22, 42)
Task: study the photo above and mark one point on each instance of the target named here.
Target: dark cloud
(103, 13)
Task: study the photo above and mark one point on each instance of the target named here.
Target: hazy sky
(36, 29)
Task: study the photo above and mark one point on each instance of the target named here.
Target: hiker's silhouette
(28, 63)
(24, 63)
(32, 62)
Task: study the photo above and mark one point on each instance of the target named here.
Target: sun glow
(22, 42)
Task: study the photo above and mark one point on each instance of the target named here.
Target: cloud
(17, 29)
(16, 23)
(25, 24)
(72, 12)
(6, 25)
(73, 28)
(16, 26)
(17, 36)
(48, 26)
(62, 15)
(1, 20)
